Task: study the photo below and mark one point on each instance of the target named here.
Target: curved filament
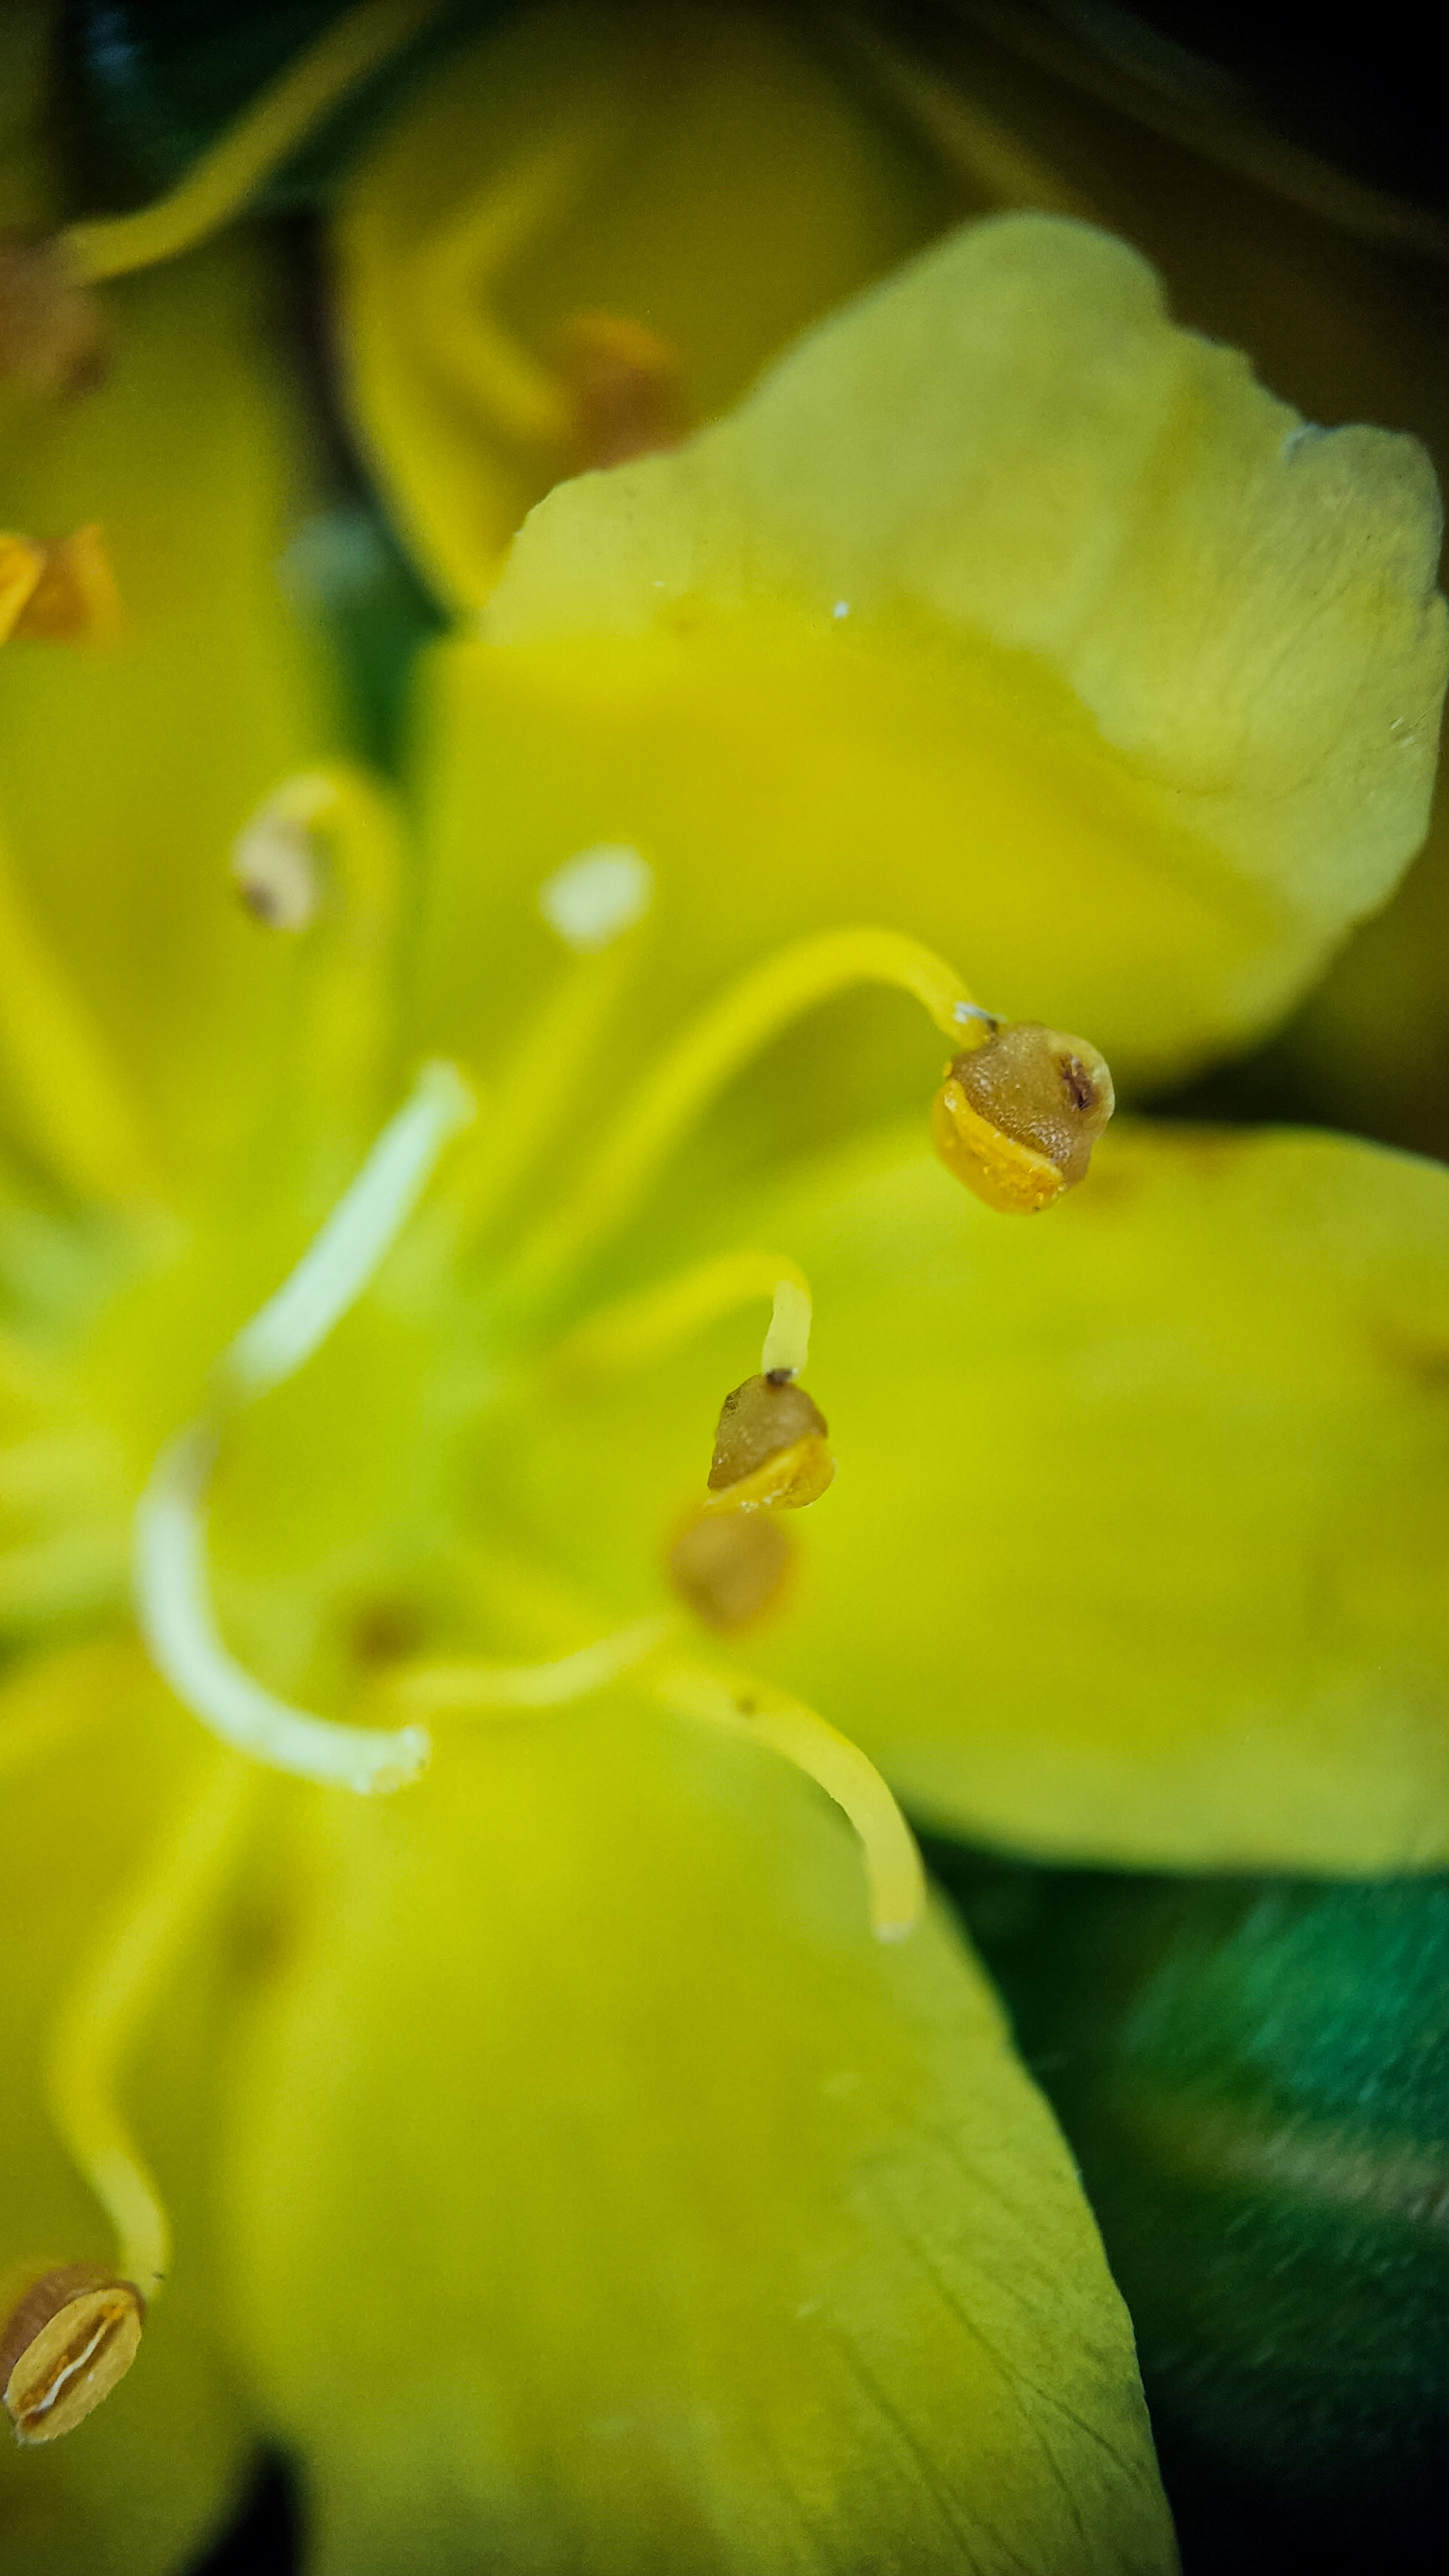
(109, 2002)
(895, 1881)
(716, 1046)
(220, 183)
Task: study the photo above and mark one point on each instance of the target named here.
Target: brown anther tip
(1016, 1118)
(52, 331)
(274, 868)
(59, 590)
(732, 1568)
(760, 1421)
(69, 2338)
(624, 386)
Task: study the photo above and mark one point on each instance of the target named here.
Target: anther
(732, 1568)
(276, 871)
(624, 388)
(1017, 1116)
(58, 591)
(52, 337)
(769, 1447)
(70, 2336)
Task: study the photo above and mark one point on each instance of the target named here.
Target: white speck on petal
(594, 898)
(841, 608)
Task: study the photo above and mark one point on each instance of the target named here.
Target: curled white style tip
(597, 895)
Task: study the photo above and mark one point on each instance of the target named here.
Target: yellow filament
(433, 1690)
(979, 147)
(71, 1104)
(895, 1882)
(354, 1005)
(717, 1045)
(21, 564)
(500, 380)
(219, 184)
(51, 1472)
(28, 1742)
(71, 1573)
(539, 1083)
(27, 1381)
(103, 2015)
(643, 1329)
(787, 1342)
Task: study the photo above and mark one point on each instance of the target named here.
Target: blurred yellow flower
(554, 2160)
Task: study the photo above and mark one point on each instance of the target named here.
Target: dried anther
(71, 2335)
(274, 868)
(731, 1568)
(58, 591)
(1016, 1118)
(624, 388)
(52, 337)
(769, 1447)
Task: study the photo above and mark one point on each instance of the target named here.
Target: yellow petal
(128, 770)
(1153, 1509)
(1004, 609)
(605, 203)
(88, 1752)
(1135, 1549)
(606, 2199)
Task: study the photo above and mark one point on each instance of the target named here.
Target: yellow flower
(552, 2157)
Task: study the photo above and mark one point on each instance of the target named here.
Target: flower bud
(69, 2337)
(769, 1446)
(1016, 1118)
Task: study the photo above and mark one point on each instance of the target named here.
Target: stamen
(1017, 1117)
(280, 866)
(109, 2002)
(66, 2342)
(52, 335)
(592, 899)
(503, 384)
(75, 2329)
(592, 903)
(21, 564)
(625, 387)
(72, 1105)
(431, 1690)
(172, 1594)
(71, 1573)
(70, 1707)
(65, 595)
(274, 869)
(745, 1018)
(895, 1881)
(732, 1569)
(769, 1448)
(219, 184)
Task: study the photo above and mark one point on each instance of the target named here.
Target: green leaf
(1256, 2081)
